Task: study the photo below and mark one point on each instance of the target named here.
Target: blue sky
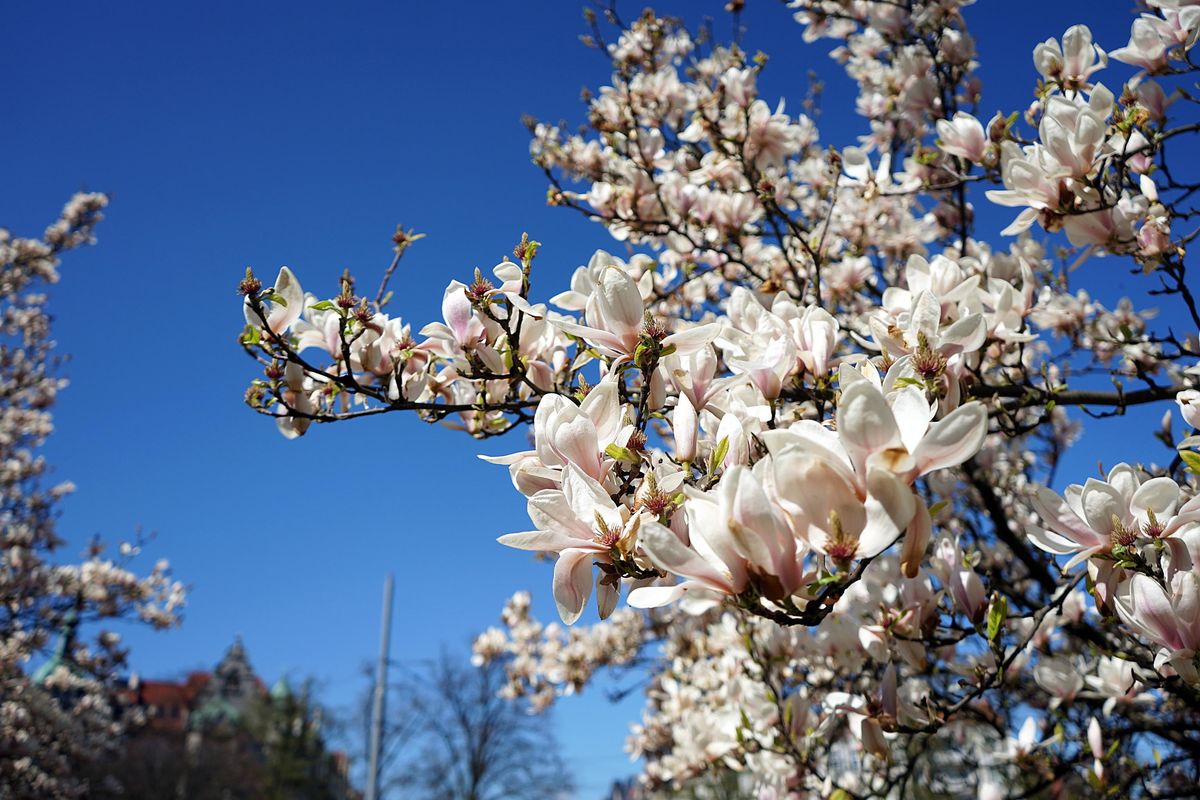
(234, 134)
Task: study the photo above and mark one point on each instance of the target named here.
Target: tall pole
(380, 695)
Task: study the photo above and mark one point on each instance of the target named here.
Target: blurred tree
(450, 735)
(57, 720)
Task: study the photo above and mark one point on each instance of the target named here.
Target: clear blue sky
(293, 133)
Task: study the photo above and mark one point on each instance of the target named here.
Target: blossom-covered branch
(812, 419)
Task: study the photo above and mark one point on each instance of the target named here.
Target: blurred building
(218, 734)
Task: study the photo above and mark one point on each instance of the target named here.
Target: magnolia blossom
(806, 417)
(1168, 617)
(963, 136)
(581, 523)
(1072, 62)
(616, 318)
(1189, 406)
(285, 306)
(1094, 517)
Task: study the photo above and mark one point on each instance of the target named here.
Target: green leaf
(1192, 459)
(324, 305)
(275, 298)
(621, 453)
(718, 455)
(996, 616)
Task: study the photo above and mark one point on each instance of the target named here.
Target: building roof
(61, 657)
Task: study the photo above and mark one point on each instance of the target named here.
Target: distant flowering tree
(53, 724)
(809, 422)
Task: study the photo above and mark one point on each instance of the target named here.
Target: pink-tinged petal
(1024, 221)
(952, 440)
(510, 275)
(916, 540)
(812, 436)
(810, 487)
(658, 596)
(529, 477)
(1152, 610)
(667, 552)
(549, 408)
(916, 270)
(1081, 556)
(1185, 588)
(969, 594)
(541, 541)
(607, 596)
(1101, 503)
(865, 422)
(1096, 738)
(1089, 228)
(593, 336)
(281, 316)
(752, 525)
(1183, 550)
(873, 740)
(692, 339)
(888, 697)
(435, 330)
(1159, 495)
(1124, 479)
(965, 336)
(709, 537)
(586, 496)
(250, 314)
(686, 427)
(926, 315)
(1056, 513)
(890, 507)
(291, 427)
(912, 413)
(572, 583)
(523, 305)
(550, 511)
(882, 334)
(456, 311)
(618, 302)
(1051, 542)
(511, 458)
(873, 639)
(575, 440)
(603, 407)
(1188, 514)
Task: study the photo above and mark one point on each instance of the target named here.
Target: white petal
(572, 583)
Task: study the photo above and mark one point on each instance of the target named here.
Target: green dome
(62, 651)
(281, 690)
(213, 713)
